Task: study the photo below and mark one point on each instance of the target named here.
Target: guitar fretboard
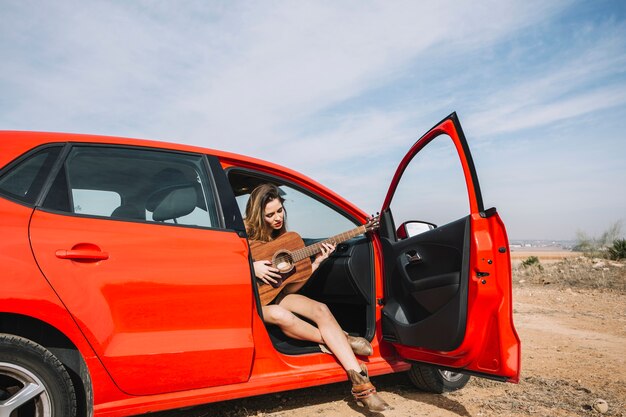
(316, 248)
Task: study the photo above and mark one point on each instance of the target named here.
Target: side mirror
(413, 228)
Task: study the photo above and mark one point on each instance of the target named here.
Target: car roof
(25, 140)
(14, 143)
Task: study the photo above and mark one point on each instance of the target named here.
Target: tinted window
(96, 202)
(25, 180)
(134, 184)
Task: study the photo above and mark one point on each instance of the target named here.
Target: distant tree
(610, 235)
(598, 245)
(584, 243)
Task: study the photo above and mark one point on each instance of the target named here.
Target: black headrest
(172, 202)
(128, 211)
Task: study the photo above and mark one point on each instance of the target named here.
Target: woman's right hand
(264, 271)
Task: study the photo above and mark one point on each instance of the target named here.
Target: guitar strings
(340, 237)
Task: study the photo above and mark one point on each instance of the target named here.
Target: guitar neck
(316, 248)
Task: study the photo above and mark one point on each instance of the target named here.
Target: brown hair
(256, 227)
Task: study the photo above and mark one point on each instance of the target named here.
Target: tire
(33, 382)
(431, 379)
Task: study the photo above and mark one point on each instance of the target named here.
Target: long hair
(256, 226)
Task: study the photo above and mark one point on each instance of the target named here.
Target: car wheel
(431, 379)
(33, 382)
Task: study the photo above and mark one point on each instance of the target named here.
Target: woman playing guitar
(265, 222)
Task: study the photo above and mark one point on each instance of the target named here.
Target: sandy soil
(573, 353)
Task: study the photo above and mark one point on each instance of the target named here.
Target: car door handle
(82, 254)
(413, 257)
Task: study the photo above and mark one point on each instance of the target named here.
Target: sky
(340, 90)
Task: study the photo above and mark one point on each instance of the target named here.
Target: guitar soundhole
(283, 261)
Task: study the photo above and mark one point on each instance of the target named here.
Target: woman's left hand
(327, 249)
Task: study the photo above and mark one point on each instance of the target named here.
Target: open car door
(447, 291)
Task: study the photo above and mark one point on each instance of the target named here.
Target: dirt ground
(570, 313)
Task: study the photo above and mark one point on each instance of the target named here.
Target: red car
(127, 284)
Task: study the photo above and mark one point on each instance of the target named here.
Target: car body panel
(26, 292)
(149, 325)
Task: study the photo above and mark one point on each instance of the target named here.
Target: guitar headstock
(372, 224)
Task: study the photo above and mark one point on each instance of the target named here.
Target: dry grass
(572, 271)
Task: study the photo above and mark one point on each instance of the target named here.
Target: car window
(433, 187)
(96, 202)
(307, 216)
(24, 180)
(134, 184)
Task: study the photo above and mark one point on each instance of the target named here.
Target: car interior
(344, 282)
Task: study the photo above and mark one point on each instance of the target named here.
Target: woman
(265, 221)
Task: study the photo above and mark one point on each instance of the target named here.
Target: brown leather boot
(365, 392)
(360, 346)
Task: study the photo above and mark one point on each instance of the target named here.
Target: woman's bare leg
(290, 324)
(331, 333)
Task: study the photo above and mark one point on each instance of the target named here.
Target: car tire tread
(428, 378)
(41, 362)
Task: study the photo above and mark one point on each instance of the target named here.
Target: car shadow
(320, 397)
(400, 385)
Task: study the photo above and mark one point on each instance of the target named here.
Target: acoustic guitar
(292, 258)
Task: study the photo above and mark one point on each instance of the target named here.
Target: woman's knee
(279, 316)
(321, 312)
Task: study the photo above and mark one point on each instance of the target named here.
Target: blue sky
(339, 90)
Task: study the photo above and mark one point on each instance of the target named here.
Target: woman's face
(274, 214)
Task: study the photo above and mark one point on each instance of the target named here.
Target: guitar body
(293, 259)
(278, 251)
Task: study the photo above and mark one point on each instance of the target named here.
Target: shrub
(618, 250)
(532, 261)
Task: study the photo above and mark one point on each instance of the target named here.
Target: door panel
(448, 290)
(346, 276)
(427, 299)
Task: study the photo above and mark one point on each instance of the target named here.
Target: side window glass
(311, 218)
(25, 180)
(96, 202)
(432, 190)
(135, 184)
(307, 216)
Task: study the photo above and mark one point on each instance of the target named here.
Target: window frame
(26, 155)
(398, 213)
(210, 185)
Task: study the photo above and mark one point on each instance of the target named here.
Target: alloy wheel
(23, 393)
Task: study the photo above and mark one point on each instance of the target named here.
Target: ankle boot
(365, 392)
(360, 346)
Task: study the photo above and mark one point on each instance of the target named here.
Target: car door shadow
(402, 389)
(323, 400)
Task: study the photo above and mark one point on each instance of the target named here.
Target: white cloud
(562, 90)
(542, 112)
(227, 76)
